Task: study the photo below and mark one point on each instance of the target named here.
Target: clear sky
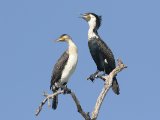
(27, 55)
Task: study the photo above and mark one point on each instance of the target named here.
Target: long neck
(92, 32)
(72, 48)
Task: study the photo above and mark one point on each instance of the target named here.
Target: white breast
(71, 63)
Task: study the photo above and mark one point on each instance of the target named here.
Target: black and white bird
(100, 52)
(64, 67)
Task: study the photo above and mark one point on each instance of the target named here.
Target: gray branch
(68, 91)
(108, 83)
(48, 97)
(79, 108)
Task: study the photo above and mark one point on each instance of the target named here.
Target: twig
(107, 85)
(68, 91)
(48, 97)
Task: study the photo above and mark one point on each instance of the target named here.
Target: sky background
(27, 55)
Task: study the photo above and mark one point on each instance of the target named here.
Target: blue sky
(28, 54)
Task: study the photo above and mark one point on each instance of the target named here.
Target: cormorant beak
(56, 40)
(59, 40)
(83, 16)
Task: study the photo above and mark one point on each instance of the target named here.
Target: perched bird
(64, 67)
(100, 52)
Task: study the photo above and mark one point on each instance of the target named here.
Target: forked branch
(47, 98)
(108, 83)
(66, 91)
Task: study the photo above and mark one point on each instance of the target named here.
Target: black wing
(58, 68)
(108, 55)
(96, 53)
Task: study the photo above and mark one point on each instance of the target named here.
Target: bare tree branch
(107, 85)
(48, 97)
(68, 91)
(79, 108)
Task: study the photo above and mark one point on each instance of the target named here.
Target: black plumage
(100, 52)
(104, 59)
(58, 68)
(56, 76)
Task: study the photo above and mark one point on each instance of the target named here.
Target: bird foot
(92, 77)
(67, 90)
(101, 77)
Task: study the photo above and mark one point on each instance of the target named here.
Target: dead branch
(79, 108)
(48, 97)
(107, 85)
(67, 91)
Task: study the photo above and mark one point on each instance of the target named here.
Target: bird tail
(55, 102)
(115, 86)
(55, 99)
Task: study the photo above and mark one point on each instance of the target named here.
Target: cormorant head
(92, 19)
(64, 38)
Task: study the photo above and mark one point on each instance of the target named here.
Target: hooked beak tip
(82, 16)
(57, 40)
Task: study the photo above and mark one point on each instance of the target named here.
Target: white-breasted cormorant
(64, 67)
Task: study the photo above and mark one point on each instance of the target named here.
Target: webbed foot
(91, 77)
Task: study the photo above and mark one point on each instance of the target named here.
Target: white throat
(72, 47)
(92, 25)
(73, 52)
(71, 63)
